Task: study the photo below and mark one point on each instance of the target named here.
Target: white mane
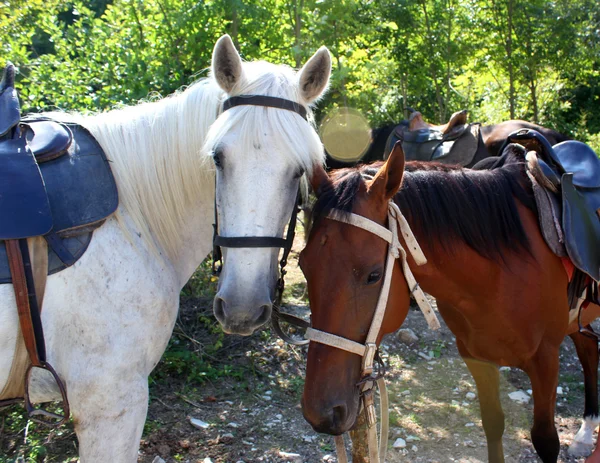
(154, 149)
(303, 146)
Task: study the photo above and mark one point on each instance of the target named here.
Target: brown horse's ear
(387, 181)
(319, 179)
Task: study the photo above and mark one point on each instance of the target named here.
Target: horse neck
(166, 186)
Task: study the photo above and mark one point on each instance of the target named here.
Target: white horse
(261, 154)
(108, 318)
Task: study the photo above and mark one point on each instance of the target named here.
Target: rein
(369, 351)
(263, 241)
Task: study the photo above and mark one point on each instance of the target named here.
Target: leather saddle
(456, 142)
(570, 174)
(56, 186)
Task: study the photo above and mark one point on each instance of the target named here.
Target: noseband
(368, 350)
(261, 241)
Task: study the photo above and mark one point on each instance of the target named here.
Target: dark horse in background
(443, 143)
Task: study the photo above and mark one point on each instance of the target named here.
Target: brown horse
(469, 224)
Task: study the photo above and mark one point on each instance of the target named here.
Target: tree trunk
(438, 93)
(509, 50)
(235, 24)
(360, 440)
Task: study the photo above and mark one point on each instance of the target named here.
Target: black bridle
(263, 241)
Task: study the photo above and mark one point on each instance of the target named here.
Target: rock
(519, 397)
(196, 423)
(158, 459)
(227, 437)
(399, 443)
(469, 425)
(407, 336)
(207, 460)
(414, 448)
(559, 390)
(233, 425)
(504, 369)
(290, 456)
(412, 438)
(328, 457)
(471, 396)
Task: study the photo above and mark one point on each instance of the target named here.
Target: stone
(399, 443)
(407, 336)
(158, 459)
(471, 396)
(199, 424)
(519, 397)
(290, 456)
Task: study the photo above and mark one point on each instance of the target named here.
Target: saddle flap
(48, 139)
(24, 204)
(581, 226)
(580, 160)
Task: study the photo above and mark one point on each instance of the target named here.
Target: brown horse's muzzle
(330, 400)
(334, 418)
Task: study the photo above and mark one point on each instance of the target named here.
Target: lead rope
(396, 220)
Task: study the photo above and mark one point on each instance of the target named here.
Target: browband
(270, 101)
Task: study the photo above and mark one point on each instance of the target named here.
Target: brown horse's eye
(374, 277)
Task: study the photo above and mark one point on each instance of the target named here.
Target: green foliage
(498, 58)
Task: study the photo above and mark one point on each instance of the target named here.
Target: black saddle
(55, 181)
(458, 143)
(573, 169)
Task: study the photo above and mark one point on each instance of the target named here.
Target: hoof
(580, 449)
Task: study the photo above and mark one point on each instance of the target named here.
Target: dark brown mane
(446, 203)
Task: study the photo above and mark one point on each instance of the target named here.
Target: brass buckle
(40, 415)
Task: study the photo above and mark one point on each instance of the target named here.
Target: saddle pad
(24, 206)
(80, 185)
(76, 245)
(580, 160)
(581, 226)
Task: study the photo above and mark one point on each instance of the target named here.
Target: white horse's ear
(226, 64)
(314, 76)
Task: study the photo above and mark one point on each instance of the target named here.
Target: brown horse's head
(344, 269)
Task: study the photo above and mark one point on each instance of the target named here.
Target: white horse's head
(261, 154)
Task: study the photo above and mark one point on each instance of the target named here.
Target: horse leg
(543, 373)
(109, 419)
(587, 351)
(487, 379)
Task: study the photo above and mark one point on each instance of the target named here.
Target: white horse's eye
(217, 155)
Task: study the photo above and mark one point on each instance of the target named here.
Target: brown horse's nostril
(340, 415)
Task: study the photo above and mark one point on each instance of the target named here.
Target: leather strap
(268, 101)
(18, 260)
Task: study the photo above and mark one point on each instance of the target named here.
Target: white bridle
(368, 350)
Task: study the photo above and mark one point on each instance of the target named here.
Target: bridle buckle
(368, 358)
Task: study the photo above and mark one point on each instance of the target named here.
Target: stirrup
(40, 415)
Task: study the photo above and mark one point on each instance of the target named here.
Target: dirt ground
(246, 392)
